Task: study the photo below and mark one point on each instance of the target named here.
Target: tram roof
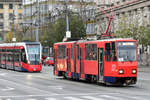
(103, 40)
(18, 44)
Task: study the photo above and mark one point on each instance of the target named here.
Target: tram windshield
(33, 53)
(126, 51)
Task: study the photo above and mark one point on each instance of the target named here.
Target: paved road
(44, 86)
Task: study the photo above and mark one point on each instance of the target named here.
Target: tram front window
(33, 54)
(126, 51)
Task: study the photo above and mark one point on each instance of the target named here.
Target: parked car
(43, 58)
(49, 61)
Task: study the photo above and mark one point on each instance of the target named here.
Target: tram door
(68, 59)
(100, 64)
(55, 59)
(75, 59)
(81, 60)
(0, 60)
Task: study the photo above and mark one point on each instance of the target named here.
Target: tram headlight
(121, 71)
(28, 62)
(34, 69)
(133, 71)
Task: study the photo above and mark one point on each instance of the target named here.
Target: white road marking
(7, 99)
(31, 99)
(24, 86)
(8, 89)
(54, 94)
(92, 98)
(72, 98)
(111, 97)
(3, 74)
(56, 87)
(139, 98)
(50, 98)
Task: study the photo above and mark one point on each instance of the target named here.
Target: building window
(20, 16)
(11, 23)
(1, 16)
(149, 8)
(129, 12)
(20, 6)
(135, 11)
(142, 9)
(1, 6)
(10, 6)
(1, 25)
(118, 3)
(10, 16)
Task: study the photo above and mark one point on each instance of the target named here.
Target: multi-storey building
(10, 12)
(50, 10)
(134, 10)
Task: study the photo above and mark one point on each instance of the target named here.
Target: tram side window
(78, 51)
(114, 57)
(87, 51)
(72, 51)
(16, 58)
(8, 57)
(3, 57)
(91, 52)
(23, 56)
(3, 50)
(107, 52)
(94, 51)
(64, 50)
(59, 52)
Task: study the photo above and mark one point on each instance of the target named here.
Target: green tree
(18, 33)
(46, 36)
(9, 36)
(77, 28)
(134, 30)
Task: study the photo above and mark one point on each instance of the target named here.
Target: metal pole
(67, 18)
(68, 33)
(13, 19)
(31, 20)
(37, 22)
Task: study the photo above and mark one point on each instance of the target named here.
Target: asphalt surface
(44, 86)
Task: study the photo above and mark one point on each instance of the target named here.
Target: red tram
(23, 56)
(111, 61)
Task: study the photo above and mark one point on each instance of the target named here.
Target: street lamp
(13, 19)
(68, 33)
(37, 24)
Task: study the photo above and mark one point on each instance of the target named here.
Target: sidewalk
(142, 68)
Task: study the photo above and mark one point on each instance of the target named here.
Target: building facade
(10, 12)
(51, 10)
(133, 10)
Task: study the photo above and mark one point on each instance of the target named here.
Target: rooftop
(10, 1)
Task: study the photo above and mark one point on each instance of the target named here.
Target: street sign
(68, 34)
(14, 39)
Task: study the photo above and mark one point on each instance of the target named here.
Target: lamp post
(13, 21)
(68, 33)
(37, 22)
